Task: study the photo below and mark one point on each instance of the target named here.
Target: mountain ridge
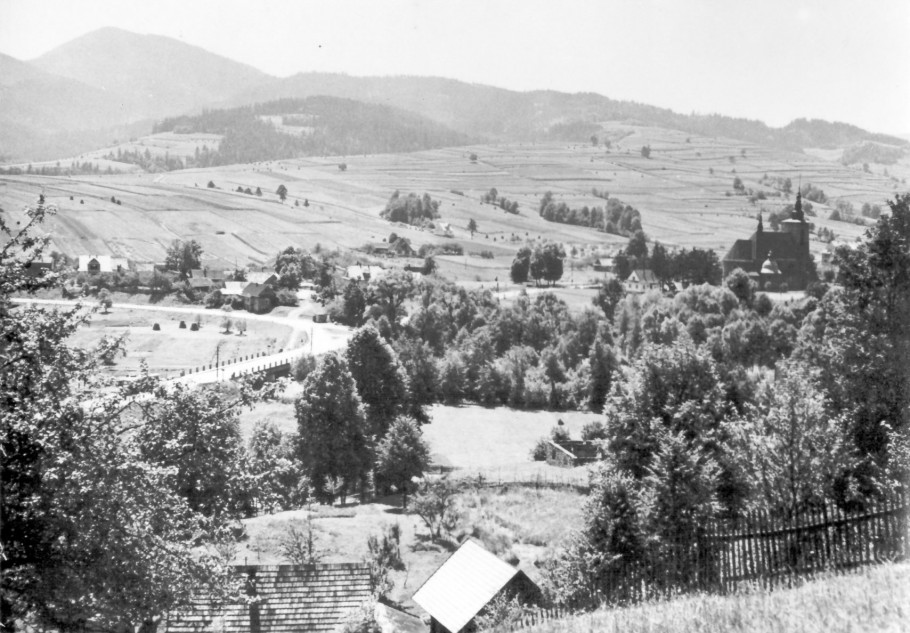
(125, 77)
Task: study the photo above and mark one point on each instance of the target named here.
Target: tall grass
(872, 599)
(500, 517)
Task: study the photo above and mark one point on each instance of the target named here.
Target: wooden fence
(761, 549)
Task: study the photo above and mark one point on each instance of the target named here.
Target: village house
(642, 280)
(258, 298)
(466, 583)
(280, 599)
(773, 258)
(95, 264)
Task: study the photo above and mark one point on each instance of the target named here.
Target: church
(773, 258)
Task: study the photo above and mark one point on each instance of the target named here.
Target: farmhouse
(364, 273)
(258, 298)
(279, 598)
(773, 258)
(571, 453)
(469, 579)
(641, 280)
(94, 264)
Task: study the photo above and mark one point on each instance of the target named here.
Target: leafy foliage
(92, 530)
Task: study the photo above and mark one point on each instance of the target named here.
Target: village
(382, 318)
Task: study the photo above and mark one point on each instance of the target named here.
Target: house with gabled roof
(279, 599)
(258, 298)
(466, 583)
(641, 280)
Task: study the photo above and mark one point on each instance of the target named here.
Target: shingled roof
(288, 599)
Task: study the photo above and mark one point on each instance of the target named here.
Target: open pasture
(173, 349)
(681, 191)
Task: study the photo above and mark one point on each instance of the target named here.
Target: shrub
(286, 298)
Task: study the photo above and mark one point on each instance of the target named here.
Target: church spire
(798, 207)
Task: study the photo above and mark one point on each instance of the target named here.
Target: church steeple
(798, 208)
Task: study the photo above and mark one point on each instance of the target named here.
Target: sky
(772, 60)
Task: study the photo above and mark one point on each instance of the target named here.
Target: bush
(286, 298)
(539, 452)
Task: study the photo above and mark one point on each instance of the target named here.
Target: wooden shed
(571, 453)
(466, 583)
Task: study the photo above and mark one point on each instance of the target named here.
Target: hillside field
(681, 202)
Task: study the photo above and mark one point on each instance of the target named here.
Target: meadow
(871, 599)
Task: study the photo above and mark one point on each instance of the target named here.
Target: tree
(380, 380)
(342, 166)
(608, 297)
(82, 511)
(472, 226)
(183, 257)
(259, 192)
(646, 151)
(196, 434)
(637, 247)
(434, 502)
(282, 192)
(792, 446)
(104, 299)
(660, 263)
(402, 455)
(547, 263)
(211, 185)
(521, 266)
(331, 426)
(741, 285)
(860, 336)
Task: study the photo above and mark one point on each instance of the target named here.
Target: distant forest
(333, 127)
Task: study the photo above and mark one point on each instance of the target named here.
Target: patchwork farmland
(682, 192)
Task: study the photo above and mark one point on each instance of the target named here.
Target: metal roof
(463, 585)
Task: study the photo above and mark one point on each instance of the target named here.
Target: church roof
(741, 251)
(784, 245)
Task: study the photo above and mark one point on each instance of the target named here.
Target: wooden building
(279, 599)
(466, 583)
(572, 453)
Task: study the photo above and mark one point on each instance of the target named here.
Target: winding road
(322, 337)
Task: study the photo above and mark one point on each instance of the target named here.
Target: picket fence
(755, 549)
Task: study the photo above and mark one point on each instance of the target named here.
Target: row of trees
(616, 218)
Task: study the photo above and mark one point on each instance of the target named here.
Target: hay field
(683, 204)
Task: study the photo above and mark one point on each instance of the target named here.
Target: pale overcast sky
(773, 60)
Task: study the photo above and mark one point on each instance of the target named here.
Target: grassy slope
(873, 599)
